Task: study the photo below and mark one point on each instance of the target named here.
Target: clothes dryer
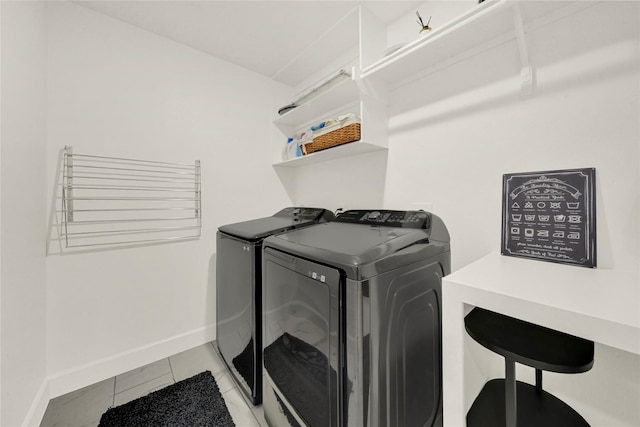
(238, 291)
(352, 321)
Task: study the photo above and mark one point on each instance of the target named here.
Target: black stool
(541, 348)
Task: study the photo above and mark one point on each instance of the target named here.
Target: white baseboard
(38, 406)
(91, 373)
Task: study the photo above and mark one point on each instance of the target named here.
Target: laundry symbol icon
(541, 205)
(558, 234)
(530, 217)
(543, 218)
(516, 217)
(559, 218)
(574, 235)
(528, 205)
(515, 230)
(515, 205)
(528, 232)
(555, 205)
(576, 219)
(573, 205)
(543, 233)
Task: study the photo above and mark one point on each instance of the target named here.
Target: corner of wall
(38, 406)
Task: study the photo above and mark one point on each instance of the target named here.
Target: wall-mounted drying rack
(118, 201)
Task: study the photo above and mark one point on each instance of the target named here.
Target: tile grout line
(146, 382)
(171, 368)
(255, 417)
(113, 395)
(215, 350)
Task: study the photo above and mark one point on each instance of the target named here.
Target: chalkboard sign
(550, 216)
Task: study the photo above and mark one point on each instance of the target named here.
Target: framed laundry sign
(550, 216)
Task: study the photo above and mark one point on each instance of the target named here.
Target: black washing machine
(352, 321)
(238, 291)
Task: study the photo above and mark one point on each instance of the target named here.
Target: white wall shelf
(487, 21)
(345, 150)
(345, 97)
(488, 24)
(338, 96)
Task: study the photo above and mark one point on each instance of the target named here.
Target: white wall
(116, 90)
(23, 213)
(454, 133)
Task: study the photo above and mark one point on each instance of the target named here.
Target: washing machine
(238, 291)
(352, 321)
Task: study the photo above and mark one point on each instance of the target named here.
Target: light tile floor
(84, 407)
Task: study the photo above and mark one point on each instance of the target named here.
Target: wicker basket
(343, 135)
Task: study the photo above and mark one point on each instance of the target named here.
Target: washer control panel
(305, 214)
(386, 218)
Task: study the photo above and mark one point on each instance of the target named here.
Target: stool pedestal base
(534, 408)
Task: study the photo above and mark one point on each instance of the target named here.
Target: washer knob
(374, 215)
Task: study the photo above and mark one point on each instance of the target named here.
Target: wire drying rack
(118, 201)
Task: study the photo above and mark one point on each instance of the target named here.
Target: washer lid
(286, 219)
(363, 250)
(358, 242)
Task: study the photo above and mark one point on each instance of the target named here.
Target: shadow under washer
(352, 321)
(239, 291)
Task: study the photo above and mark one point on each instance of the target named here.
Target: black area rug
(194, 402)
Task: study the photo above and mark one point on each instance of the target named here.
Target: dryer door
(302, 338)
(238, 301)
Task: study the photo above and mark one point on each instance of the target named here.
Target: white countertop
(597, 304)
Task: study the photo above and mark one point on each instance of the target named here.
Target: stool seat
(529, 344)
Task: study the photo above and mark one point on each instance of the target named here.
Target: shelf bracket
(526, 70)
